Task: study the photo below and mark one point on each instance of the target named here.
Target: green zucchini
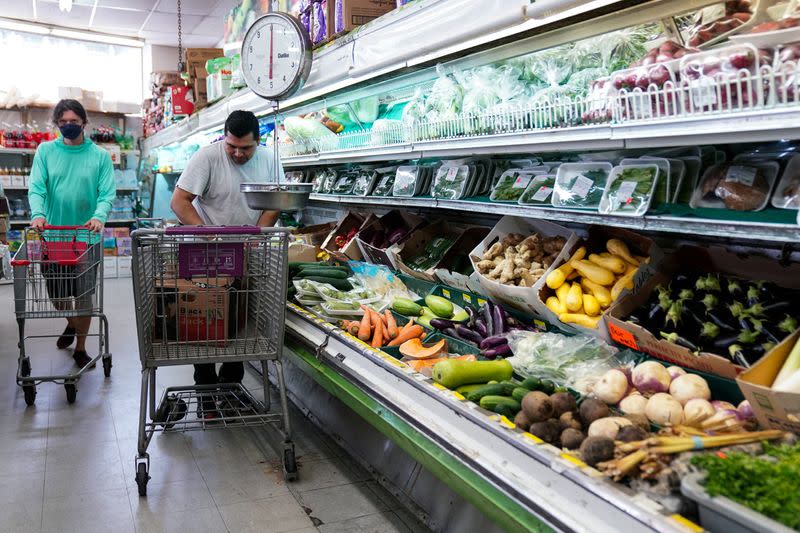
(341, 284)
(490, 402)
(519, 393)
(321, 272)
(490, 389)
(532, 383)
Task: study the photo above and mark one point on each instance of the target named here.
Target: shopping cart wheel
(107, 366)
(25, 368)
(142, 477)
(71, 392)
(30, 394)
(289, 464)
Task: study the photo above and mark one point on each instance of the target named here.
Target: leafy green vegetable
(450, 182)
(573, 190)
(539, 191)
(511, 186)
(385, 185)
(432, 254)
(768, 484)
(631, 190)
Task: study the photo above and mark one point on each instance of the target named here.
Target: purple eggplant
(442, 323)
(488, 317)
(480, 327)
(499, 351)
(472, 316)
(499, 319)
(492, 342)
(467, 334)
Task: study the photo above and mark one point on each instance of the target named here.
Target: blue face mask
(71, 131)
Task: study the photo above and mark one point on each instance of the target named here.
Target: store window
(37, 65)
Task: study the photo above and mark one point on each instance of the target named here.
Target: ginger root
(507, 273)
(495, 250)
(485, 266)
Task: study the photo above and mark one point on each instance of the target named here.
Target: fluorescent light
(7, 24)
(97, 37)
(65, 5)
(34, 9)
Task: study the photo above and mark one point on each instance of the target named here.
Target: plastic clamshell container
(302, 291)
(326, 307)
(722, 514)
(515, 181)
(344, 184)
(573, 190)
(295, 176)
(451, 182)
(408, 180)
(663, 191)
(683, 194)
(787, 193)
(384, 182)
(471, 181)
(365, 182)
(612, 205)
(317, 310)
(308, 301)
(539, 190)
(770, 169)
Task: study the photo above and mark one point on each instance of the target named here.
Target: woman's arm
(37, 190)
(106, 190)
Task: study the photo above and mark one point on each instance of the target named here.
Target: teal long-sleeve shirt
(70, 185)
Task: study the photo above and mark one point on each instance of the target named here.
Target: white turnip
(663, 409)
(675, 371)
(651, 377)
(634, 404)
(688, 387)
(611, 387)
(608, 427)
(697, 410)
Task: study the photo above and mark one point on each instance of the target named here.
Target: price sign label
(542, 194)
(625, 192)
(622, 336)
(582, 186)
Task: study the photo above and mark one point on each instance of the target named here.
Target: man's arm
(268, 219)
(181, 205)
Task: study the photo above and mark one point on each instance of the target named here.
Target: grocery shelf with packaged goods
(505, 169)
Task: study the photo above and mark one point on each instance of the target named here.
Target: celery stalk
(789, 368)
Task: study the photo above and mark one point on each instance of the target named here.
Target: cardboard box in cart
(195, 310)
(773, 409)
(687, 259)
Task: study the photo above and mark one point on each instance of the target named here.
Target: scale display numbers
(275, 56)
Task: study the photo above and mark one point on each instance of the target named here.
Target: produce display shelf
(25, 188)
(21, 151)
(516, 480)
(749, 230)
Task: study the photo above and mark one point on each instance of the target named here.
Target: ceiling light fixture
(96, 37)
(7, 24)
(65, 5)
(33, 2)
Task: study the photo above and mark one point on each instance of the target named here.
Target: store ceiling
(153, 20)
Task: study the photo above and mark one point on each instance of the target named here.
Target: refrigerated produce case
(456, 465)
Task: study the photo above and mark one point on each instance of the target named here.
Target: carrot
(406, 326)
(386, 337)
(363, 327)
(346, 325)
(413, 332)
(383, 319)
(392, 324)
(377, 338)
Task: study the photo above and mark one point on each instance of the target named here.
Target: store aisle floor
(70, 468)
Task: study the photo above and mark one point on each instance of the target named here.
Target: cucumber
(532, 383)
(519, 393)
(321, 272)
(297, 265)
(493, 389)
(490, 402)
(406, 307)
(508, 387)
(548, 387)
(341, 284)
(505, 410)
(466, 390)
(454, 372)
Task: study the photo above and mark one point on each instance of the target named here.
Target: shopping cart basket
(58, 273)
(208, 294)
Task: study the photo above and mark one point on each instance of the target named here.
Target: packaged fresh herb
(365, 181)
(512, 185)
(630, 190)
(450, 182)
(344, 183)
(408, 180)
(384, 183)
(580, 185)
(539, 191)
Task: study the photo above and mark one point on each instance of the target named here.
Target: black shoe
(82, 359)
(66, 338)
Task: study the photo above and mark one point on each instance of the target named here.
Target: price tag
(712, 13)
(452, 172)
(446, 293)
(582, 186)
(625, 191)
(467, 298)
(522, 181)
(540, 323)
(743, 175)
(574, 460)
(622, 336)
(533, 438)
(481, 301)
(703, 91)
(640, 105)
(458, 396)
(542, 194)
(439, 386)
(505, 422)
(685, 522)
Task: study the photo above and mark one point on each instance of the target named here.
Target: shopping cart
(208, 294)
(58, 273)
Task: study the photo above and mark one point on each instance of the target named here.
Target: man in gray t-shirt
(208, 193)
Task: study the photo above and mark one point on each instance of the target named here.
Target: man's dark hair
(240, 123)
(69, 105)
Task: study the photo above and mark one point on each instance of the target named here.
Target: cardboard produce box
(773, 409)
(388, 223)
(349, 14)
(314, 235)
(468, 240)
(351, 251)
(525, 299)
(687, 259)
(192, 311)
(201, 55)
(595, 241)
(420, 240)
(300, 252)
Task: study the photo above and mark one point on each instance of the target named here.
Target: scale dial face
(276, 56)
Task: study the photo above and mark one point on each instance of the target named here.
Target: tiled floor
(68, 468)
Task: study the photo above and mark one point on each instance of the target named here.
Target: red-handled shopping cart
(58, 273)
(207, 295)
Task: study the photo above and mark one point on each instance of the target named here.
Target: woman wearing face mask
(71, 184)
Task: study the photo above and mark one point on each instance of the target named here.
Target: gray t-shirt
(214, 178)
